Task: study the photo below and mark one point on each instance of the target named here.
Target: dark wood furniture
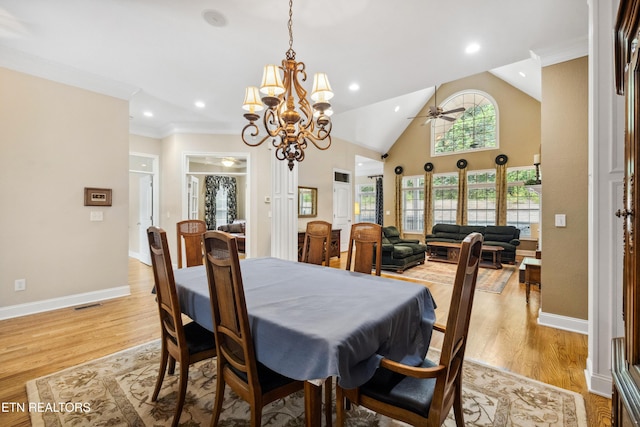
(366, 239)
(190, 231)
(335, 243)
(185, 344)
(424, 395)
(529, 274)
(237, 363)
(626, 350)
(450, 252)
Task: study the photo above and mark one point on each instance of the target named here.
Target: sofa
(505, 236)
(236, 228)
(400, 254)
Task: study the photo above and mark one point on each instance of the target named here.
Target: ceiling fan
(436, 112)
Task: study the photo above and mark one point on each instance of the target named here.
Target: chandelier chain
(290, 53)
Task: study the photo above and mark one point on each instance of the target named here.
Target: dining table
(311, 322)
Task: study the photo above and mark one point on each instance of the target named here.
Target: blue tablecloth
(311, 322)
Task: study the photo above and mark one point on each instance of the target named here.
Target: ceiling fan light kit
(289, 127)
(436, 112)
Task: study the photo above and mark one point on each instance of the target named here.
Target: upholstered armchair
(399, 254)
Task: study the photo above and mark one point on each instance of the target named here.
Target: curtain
(428, 202)
(501, 194)
(399, 203)
(461, 213)
(213, 184)
(379, 201)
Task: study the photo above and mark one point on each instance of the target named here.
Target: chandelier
(289, 126)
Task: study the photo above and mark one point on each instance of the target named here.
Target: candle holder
(537, 165)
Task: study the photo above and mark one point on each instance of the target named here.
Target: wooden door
(626, 350)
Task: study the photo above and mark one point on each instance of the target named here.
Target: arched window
(474, 129)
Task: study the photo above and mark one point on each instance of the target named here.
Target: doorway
(342, 206)
(143, 203)
(228, 173)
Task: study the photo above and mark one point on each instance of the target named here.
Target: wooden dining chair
(316, 248)
(366, 239)
(424, 395)
(317, 243)
(190, 231)
(237, 364)
(183, 343)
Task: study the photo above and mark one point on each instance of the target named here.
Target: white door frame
(346, 226)
(155, 178)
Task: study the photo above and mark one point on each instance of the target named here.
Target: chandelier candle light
(290, 127)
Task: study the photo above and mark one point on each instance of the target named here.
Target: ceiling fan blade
(449, 119)
(455, 110)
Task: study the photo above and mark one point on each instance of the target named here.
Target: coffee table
(453, 254)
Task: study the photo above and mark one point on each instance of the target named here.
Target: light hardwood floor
(503, 333)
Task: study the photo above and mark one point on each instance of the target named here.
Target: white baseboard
(596, 383)
(62, 302)
(562, 322)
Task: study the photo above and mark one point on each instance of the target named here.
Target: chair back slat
(316, 248)
(366, 238)
(190, 232)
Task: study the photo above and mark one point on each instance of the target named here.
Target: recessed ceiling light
(472, 48)
(354, 87)
(214, 18)
(522, 74)
(148, 114)
(200, 104)
(397, 108)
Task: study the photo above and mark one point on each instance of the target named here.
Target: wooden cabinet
(625, 367)
(335, 243)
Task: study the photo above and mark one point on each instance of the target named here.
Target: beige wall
(519, 137)
(565, 188)
(54, 141)
(317, 171)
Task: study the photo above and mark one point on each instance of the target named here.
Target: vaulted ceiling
(164, 55)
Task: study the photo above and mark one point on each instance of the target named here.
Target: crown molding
(39, 67)
(562, 52)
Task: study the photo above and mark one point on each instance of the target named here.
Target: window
(475, 129)
(523, 203)
(445, 198)
(366, 198)
(481, 202)
(221, 206)
(413, 203)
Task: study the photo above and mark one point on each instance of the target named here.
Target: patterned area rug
(116, 390)
(489, 280)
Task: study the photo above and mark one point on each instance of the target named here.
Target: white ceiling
(163, 56)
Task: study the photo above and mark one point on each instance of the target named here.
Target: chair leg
(457, 403)
(328, 404)
(217, 408)
(163, 368)
(182, 391)
(339, 407)
(256, 413)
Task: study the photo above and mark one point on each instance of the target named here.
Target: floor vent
(82, 307)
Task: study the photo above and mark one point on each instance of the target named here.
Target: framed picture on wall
(97, 196)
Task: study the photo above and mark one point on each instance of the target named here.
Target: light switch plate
(561, 220)
(96, 216)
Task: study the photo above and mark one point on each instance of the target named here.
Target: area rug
(489, 280)
(116, 390)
